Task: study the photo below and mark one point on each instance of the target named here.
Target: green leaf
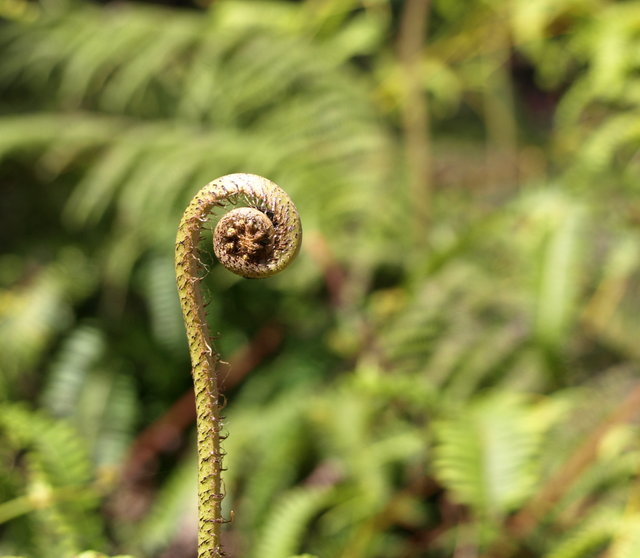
(485, 455)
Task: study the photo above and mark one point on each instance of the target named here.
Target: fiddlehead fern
(254, 241)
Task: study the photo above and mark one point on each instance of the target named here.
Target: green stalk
(258, 240)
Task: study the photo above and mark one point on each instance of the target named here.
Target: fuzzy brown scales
(254, 241)
(243, 239)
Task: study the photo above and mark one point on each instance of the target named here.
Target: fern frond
(201, 100)
(164, 308)
(592, 535)
(558, 283)
(33, 311)
(115, 428)
(58, 475)
(101, 406)
(80, 351)
(42, 131)
(626, 543)
(363, 443)
(278, 446)
(174, 500)
(284, 530)
(486, 455)
(617, 132)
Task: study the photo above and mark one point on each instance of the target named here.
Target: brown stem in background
(166, 432)
(415, 112)
(499, 111)
(335, 275)
(525, 521)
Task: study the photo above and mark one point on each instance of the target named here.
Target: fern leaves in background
(487, 454)
(473, 392)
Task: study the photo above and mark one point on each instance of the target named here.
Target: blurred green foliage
(451, 366)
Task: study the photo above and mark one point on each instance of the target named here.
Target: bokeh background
(449, 369)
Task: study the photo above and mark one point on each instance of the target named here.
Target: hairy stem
(258, 240)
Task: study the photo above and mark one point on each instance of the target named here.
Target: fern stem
(254, 241)
(44, 498)
(15, 508)
(415, 113)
